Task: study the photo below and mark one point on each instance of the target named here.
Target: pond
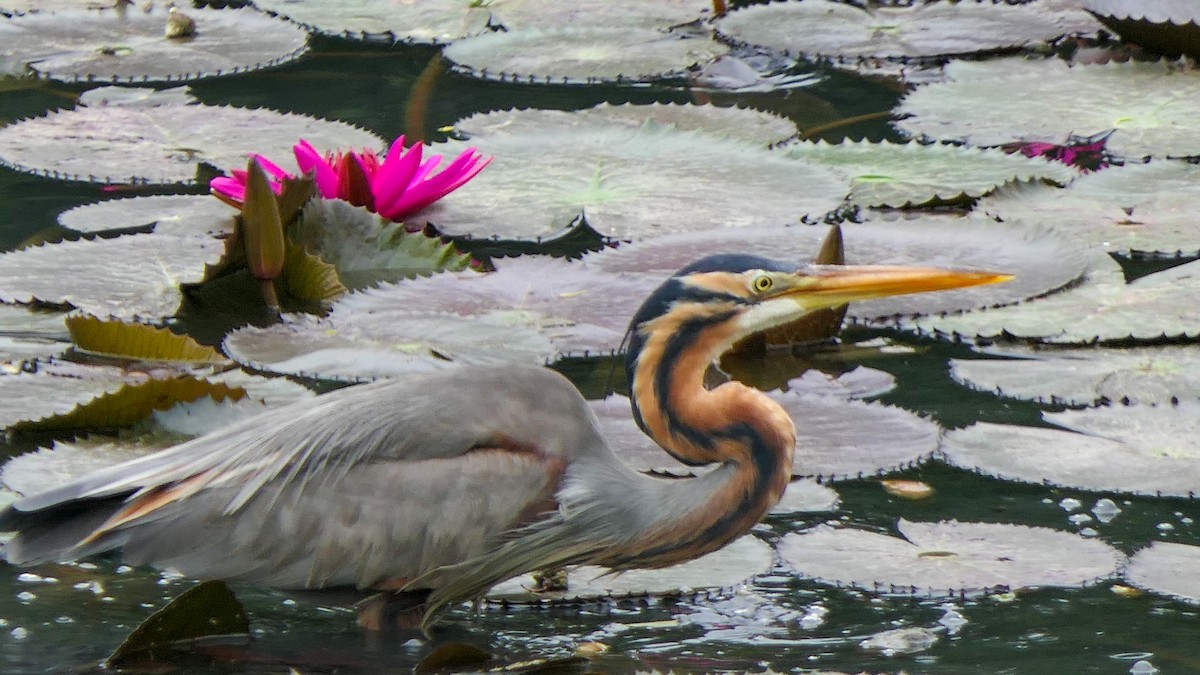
(59, 618)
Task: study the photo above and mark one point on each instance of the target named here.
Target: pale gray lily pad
(62, 462)
(731, 566)
(130, 45)
(1139, 449)
(949, 558)
(746, 124)
(581, 54)
(836, 29)
(137, 276)
(518, 14)
(1149, 106)
(1169, 27)
(1040, 261)
(1103, 309)
(364, 339)
(861, 382)
(427, 21)
(368, 250)
(907, 174)
(807, 496)
(1143, 208)
(1088, 376)
(630, 184)
(27, 334)
(163, 144)
(137, 97)
(1167, 568)
(198, 417)
(177, 214)
(836, 439)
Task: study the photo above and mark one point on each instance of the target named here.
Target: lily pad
(208, 609)
(1167, 568)
(841, 30)
(578, 54)
(746, 124)
(27, 334)
(137, 97)
(368, 250)
(1141, 208)
(353, 344)
(948, 558)
(102, 281)
(1104, 309)
(807, 496)
(630, 184)
(1138, 449)
(138, 341)
(428, 21)
(1040, 261)
(1170, 27)
(1149, 106)
(1085, 377)
(65, 461)
(909, 174)
(197, 214)
(736, 563)
(130, 45)
(518, 14)
(162, 144)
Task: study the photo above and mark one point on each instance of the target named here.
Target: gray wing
(419, 472)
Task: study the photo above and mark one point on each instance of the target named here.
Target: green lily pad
(738, 562)
(1139, 449)
(368, 250)
(102, 281)
(630, 184)
(1085, 377)
(948, 558)
(1149, 106)
(162, 144)
(197, 214)
(909, 174)
(355, 345)
(208, 609)
(1103, 309)
(428, 21)
(841, 30)
(746, 124)
(129, 44)
(1142, 208)
(1167, 568)
(579, 54)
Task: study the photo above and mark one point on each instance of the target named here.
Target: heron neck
(730, 424)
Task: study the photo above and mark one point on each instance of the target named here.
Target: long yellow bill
(830, 285)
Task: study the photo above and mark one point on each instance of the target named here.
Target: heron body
(452, 481)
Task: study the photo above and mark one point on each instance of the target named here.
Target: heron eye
(763, 284)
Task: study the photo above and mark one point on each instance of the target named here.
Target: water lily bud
(262, 229)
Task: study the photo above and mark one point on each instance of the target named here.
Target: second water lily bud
(262, 230)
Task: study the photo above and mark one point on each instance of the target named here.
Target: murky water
(64, 618)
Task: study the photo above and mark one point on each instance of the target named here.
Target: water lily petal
(273, 170)
(395, 175)
(232, 191)
(308, 159)
(462, 169)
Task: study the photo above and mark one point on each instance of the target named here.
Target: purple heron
(438, 486)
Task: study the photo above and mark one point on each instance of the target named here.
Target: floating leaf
(311, 279)
(807, 496)
(747, 124)
(1143, 208)
(1170, 27)
(1167, 568)
(101, 280)
(26, 334)
(127, 45)
(208, 609)
(1085, 377)
(428, 21)
(1138, 449)
(725, 568)
(179, 214)
(948, 558)
(518, 14)
(578, 54)
(630, 184)
(137, 341)
(908, 174)
(1150, 106)
(137, 97)
(163, 144)
(45, 468)
(368, 250)
(835, 29)
(1103, 309)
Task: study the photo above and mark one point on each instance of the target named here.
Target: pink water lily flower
(397, 186)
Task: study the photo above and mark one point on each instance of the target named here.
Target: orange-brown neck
(731, 424)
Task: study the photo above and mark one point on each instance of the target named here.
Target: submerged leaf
(137, 341)
(948, 558)
(207, 610)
